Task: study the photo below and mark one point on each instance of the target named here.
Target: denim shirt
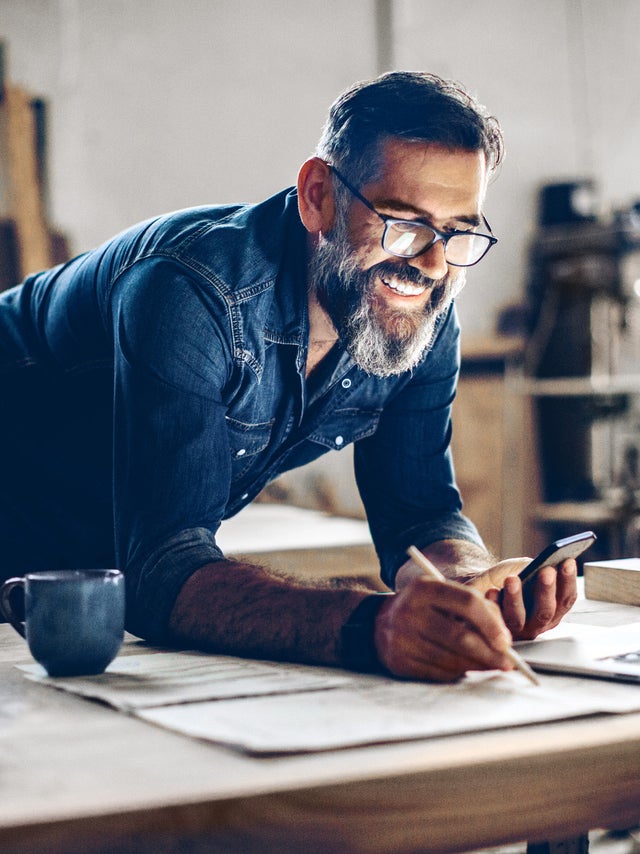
(191, 330)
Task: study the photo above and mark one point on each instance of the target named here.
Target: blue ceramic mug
(74, 619)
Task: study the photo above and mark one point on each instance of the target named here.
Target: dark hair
(411, 105)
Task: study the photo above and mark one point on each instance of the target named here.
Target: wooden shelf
(586, 512)
(491, 348)
(579, 386)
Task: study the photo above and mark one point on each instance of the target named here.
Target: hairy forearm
(240, 609)
(456, 559)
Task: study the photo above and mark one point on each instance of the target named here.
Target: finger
(413, 667)
(423, 633)
(427, 659)
(436, 669)
(566, 594)
(496, 575)
(512, 605)
(566, 586)
(455, 645)
(410, 656)
(467, 604)
(542, 614)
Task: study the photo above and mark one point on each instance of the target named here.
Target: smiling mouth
(405, 289)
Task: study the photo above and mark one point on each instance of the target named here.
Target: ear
(315, 196)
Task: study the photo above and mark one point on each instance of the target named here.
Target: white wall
(563, 76)
(159, 104)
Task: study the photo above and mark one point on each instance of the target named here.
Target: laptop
(605, 653)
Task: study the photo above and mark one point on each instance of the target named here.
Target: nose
(432, 263)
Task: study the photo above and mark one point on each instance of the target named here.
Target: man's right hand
(438, 631)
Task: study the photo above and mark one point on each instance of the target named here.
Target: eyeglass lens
(407, 239)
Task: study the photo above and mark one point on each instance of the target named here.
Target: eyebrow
(403, 207)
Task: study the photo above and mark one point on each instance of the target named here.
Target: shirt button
(346, 383)
(241, 452)
(244, 497)
(339, 441)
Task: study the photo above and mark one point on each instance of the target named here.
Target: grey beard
(381, 341)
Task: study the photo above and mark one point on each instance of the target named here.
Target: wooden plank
(26, 206)
(82, 778)
(3, 52)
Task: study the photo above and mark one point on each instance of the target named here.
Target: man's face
(384, 308)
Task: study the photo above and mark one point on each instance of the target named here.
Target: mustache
(403, 272)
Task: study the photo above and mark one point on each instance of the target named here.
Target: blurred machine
(583, 368)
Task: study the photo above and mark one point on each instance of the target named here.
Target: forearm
(456, 559)
(240, 609)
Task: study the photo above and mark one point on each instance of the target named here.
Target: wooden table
(79, 778)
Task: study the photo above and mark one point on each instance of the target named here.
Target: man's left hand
(554, 594)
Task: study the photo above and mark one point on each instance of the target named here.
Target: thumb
(494, 577)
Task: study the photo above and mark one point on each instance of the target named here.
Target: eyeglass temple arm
(353, 190)
(491, 234)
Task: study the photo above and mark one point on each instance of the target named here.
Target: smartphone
(552, 555)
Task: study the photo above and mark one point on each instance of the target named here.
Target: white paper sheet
(160, 678)
(267, 707)
(375, 710)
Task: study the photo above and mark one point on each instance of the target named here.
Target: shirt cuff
(454, 527)
(153, 589)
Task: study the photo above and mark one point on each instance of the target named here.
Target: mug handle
(5, 604)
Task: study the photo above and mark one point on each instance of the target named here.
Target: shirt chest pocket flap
(247, 440)
(344, 426)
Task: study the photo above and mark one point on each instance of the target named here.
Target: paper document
(376, 710)
(269, 707)
(161, 678)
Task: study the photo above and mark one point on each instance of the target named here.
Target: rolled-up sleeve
(153, 587)
(171, 455)
(405, 470)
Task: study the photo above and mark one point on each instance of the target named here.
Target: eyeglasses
(408, 238)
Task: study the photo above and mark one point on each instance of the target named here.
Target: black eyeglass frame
(444, 236)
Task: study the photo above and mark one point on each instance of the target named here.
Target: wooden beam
(3, 54)
(26, 205)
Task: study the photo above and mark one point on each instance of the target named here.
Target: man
(153, 387)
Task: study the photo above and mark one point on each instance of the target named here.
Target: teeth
(404, 288)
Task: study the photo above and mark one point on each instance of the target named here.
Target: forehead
(432, 178)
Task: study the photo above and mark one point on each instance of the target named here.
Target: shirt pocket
(345, 426)
(245, 442)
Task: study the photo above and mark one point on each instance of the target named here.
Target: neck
(322, 333)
